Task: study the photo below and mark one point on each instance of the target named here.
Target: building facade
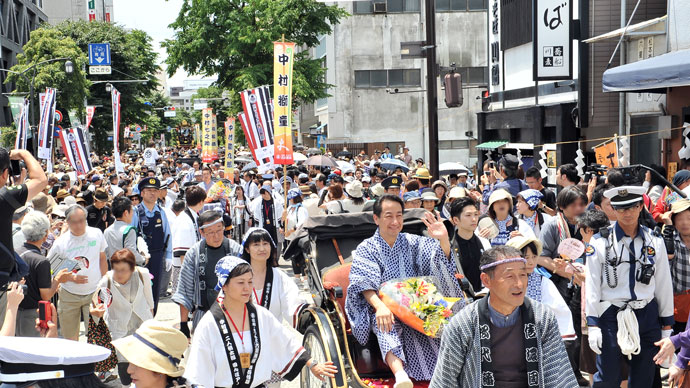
(17, 19)
(379, 98)
(92, 10)
(521, 112)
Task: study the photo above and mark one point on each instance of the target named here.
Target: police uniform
(152, 225)
(392, 182)
(627, 280)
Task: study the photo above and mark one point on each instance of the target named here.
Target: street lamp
(69, 67)
(108, 87)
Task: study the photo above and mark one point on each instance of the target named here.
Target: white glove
(666, 333)
(594, 338)
(168, 265)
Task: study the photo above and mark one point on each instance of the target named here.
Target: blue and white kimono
(542, 289)
(375, 262)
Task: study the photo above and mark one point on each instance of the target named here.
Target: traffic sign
(169, 113)
(99, 54)
(100, 70)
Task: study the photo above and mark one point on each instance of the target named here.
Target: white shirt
(184, 234)
(89, 245)
(599, 296)
(251, 191)
(296, 217)
(150, 157)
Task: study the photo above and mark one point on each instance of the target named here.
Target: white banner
(553, 47)
(46, 127)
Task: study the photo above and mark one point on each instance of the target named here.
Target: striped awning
(492, 145)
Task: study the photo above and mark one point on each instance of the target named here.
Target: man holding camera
(629, 293)
(12, 198)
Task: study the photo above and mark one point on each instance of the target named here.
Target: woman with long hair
(238, 343)
(240, 213)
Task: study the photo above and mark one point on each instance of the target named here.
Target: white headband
(211, 223)
(504, 261)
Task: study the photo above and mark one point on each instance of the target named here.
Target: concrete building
(94, 10)
(17, 19)
(521, 113)
(365, 66)
(181, 96)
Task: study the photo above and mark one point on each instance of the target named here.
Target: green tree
(233, 39)
(50, 43)
(8, 135)
(133, 58)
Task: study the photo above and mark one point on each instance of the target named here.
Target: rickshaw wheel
(312, 341)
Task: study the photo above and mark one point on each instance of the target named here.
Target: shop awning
(650, 75)
(492, 145)
(632, 28)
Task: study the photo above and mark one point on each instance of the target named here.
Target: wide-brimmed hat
(680, 205)
(457, 192)
(155, 346)
(499, 195)
(519, 242)
(43, 203)
(377, 190)
(422, 173)
(429, 195)
(61, 194)
(354, 189)
(101, 195)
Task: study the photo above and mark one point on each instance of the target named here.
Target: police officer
(629, 296)
(392, 185)
(152, 224)
(99, 214)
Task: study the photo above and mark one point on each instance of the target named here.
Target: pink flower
(405, 300)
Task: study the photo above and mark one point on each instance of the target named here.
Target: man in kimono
(390, 254)
(503, 340)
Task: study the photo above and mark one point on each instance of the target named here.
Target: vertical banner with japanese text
(607, 153)
(209, 137)
(283, 58)
(229, 147)
(22, 126)
(552, 37)
(46, 125)
(258, 118)
(197, 136)
(115, 95)
(90, 111)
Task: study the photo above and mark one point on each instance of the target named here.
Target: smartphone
(44, 314)
(487, 173)
(492, 164)
(15, 167)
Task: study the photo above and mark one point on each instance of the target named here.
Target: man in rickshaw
(390, 254)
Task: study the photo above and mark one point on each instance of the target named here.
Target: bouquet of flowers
(417, 303)
(219, 191)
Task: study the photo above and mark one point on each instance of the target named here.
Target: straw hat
(519, 242)
(499, 195)
(422, 173)
(155, 346)
(43, 203)
(457, 192)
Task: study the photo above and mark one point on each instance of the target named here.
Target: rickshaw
(326, 244)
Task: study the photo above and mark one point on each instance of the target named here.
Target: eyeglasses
(623, 211)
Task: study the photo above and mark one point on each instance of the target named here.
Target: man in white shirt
(251, 190)
(151, 155)
(87, 246)
(185, 229)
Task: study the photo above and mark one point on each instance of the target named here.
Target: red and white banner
(126, 134)
(74, 146)
(46, 125)
(258, 123)
(22, 126)
(90, 111)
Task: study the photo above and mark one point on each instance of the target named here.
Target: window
(388, 78)
(392, 6)
(474, 75)
(461, 5)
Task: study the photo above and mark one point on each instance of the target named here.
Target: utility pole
(431, 92)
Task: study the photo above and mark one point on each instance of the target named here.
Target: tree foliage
(45, 44)
(233, 39)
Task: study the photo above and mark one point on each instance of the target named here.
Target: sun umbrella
(299, 157)
(132, 152)
(313, 151)
(320, 160)
(392, 163)
(346, 154)
(249, 166)
(243, 159)
(244, 153)
(451, 168)
(345, 167)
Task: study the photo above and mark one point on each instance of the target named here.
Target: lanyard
(267, 210)
(244, 317)
(259, 301)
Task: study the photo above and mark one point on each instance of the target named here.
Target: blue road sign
(99, 54)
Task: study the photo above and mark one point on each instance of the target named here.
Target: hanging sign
(283, 55)
(607, 153)
(552, 40)
(229, 144)
(209, 138)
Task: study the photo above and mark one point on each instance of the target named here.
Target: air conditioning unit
(380, 7)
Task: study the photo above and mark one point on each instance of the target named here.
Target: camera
(645, 273)
(632, 175)
(16, 167)
(596, 171)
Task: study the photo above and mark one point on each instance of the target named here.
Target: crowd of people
(107, 246)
